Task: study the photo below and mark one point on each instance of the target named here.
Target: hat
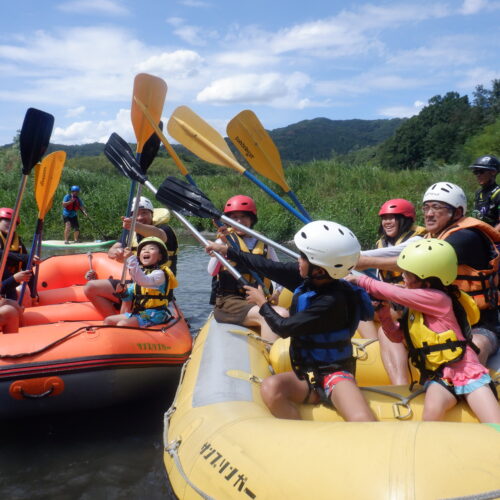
(143, 203)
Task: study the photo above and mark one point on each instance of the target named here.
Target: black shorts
(73, 221)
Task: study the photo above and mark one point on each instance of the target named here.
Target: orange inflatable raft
(65, 359)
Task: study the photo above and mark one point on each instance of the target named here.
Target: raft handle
(171, 448)
(27, 395)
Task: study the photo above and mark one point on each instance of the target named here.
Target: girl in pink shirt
(430, 266)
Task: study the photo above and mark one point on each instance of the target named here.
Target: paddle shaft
(131, 232)
(232, 163)
(12, 227)
(236, 275)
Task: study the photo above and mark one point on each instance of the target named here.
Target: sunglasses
(481, 172)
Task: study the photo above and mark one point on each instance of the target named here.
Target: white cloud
(270, 88)
(458, 50)
(194, 3)
(194, 35)
(87, 131)
(476, 76)
(75, 111)
(92, 6)
(473, 6)
(181, 63)
(402, 111)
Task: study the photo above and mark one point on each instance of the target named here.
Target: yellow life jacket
(396, 276)
(429, 350)
(481, 284)
(15, 246)
(226, 283)
(154, 298)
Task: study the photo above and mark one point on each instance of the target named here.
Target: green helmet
(429, 258)
(157, 241)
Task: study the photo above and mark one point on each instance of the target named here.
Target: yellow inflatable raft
(221, 441)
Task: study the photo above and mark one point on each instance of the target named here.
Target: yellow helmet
(429, 258)
(159, 243)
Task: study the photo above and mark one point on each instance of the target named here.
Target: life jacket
(324, 352)
(430, 351)
(481, 284)
(396, 276)
(226, 284)
(74, 205)
(154, 298)
(486, 205)
(17, 247)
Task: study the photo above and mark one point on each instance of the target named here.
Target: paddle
(33, 141)
(252, 140)
(151, 90)
(171, 151)
(204, 141)
(47, 177)
(121, 156)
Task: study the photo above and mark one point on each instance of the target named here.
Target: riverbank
(348, 194)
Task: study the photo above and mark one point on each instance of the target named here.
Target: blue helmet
(75, 188)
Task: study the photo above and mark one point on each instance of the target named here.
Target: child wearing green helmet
(436, 330)
(145, 300)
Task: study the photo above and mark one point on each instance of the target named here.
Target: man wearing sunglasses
(487, 198)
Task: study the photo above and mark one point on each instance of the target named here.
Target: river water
(108, 454)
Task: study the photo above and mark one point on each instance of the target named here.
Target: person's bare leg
(282, 393)
(484, 405)
(394, 357)
(100, 293)
(350, 403)
(67, 229)
(9, 318)
(437, 402)
(76, 235)
(253, 318)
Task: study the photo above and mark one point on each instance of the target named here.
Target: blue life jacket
(332, 349)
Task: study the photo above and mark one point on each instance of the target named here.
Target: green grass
(348, 194)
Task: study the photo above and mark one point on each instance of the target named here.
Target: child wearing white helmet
(146, 298)
(324, 315)
(436, 330)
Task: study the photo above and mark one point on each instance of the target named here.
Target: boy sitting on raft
(324, 315)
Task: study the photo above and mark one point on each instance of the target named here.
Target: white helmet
(330, 246)
(143, 203)
(447, 193)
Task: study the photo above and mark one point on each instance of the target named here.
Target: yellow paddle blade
(186, 127)
(151, 91)
(47, 177)
(161, 135)
(255, 144)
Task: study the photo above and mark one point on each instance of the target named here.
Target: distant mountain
(322, 138)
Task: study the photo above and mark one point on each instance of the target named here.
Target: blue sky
(286, 60)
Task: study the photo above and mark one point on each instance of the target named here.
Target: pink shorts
(332, 379)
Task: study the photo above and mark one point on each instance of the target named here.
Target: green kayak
(80, 244)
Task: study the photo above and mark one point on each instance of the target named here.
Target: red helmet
(7, 213)
(241, 203)
(398, 206)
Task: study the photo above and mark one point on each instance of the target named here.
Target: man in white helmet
(324, 315)
(474, 241)
(149, 222)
